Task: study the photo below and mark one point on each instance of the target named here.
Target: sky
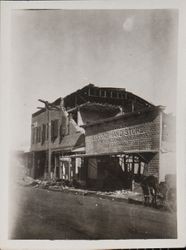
(55, 52)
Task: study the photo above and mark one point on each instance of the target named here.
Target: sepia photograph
(92, 145)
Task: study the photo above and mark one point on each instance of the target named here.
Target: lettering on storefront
(139, 137)
(115, 136)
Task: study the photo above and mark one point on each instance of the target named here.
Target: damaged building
(101, 138)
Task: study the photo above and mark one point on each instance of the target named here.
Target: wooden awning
(114, 153)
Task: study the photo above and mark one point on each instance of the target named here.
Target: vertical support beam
(61, 169)
(139, 168)
(125, 167)
(160, 145)
(132, 165)
(132, 179)
(49, 144)
(73, 168)
(69, 169)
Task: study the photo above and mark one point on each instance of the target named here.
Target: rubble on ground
(134, 196)
(59, 185)
(121, 194)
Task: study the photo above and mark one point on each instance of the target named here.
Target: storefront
(125, 147)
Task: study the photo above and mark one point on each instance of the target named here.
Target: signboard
(140, 137)
(65, 159)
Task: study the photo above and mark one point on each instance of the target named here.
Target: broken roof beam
(76, 107)
(48, 105)
(94, 104)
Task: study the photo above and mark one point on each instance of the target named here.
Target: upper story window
(102, 93)
(43, 133)
(108, 93)
(64, 127)
(47, 131)
(114, 94)
(120, 95)
(38, 134)
(54, 129)
(33, 135)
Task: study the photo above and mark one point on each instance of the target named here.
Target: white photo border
(6, 8)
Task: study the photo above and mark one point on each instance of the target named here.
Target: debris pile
(136, 196)
(46, 184)
(121, 194)
(65, 185)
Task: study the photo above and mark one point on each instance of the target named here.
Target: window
(33, 135)
(38, 134)
(64, 129)
(43, 133)
(39, 139)
(108, 94)
(114, 94)
(103, 94)
(54, 129)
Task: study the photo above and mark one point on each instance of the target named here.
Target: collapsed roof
(119, 97)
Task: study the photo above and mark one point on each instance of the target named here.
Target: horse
(150, 188)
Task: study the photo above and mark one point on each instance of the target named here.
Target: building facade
(101, 137)
(141, 142)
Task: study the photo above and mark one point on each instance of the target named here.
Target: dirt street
(43, 214)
